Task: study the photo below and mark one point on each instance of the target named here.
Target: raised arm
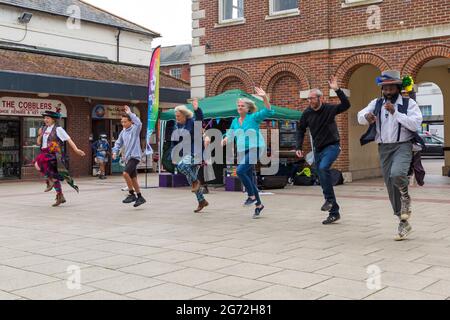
(262, 115)
(136, 121)
(198, 112)
(345, 103)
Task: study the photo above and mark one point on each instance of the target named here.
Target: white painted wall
(431, 95)
(53, 32)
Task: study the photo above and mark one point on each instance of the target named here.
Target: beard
(391, 97)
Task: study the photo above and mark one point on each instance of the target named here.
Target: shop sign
(26, 107)
(102, 111)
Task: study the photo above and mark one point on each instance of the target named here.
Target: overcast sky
(170, 18)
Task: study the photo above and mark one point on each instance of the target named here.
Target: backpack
(371, 133)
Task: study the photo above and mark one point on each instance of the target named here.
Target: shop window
(30, 149)
(9, 149)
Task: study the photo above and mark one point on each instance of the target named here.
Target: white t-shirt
(60, 132)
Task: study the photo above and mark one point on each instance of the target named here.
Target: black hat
(52, 114)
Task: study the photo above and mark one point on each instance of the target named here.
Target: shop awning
(224, 106)
(11, 81)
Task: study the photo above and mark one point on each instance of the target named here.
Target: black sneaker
(139, 202)
(258, 212)
(130, 199)
(327, 206)
(249, 202)
(332, 218)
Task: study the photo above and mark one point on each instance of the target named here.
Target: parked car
(434, 145)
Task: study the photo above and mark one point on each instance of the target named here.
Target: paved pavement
(165, 251)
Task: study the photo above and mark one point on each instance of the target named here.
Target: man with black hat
(394, 122)
(51, 161)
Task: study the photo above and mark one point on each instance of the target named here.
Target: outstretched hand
(333, 83)
(195, 104)
(261, 93)
(127, 109)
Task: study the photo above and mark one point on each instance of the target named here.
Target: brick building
(291, 46)
(175, 61)
(86, 72)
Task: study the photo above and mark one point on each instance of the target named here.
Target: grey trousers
(395, 161)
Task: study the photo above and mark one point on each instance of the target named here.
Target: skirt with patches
(51, 166)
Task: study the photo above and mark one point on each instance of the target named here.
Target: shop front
(20, 120)
(106, 120)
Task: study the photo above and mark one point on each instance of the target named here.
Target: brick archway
(346, 68)
(279, 70)
(422, 56)
(230, 75)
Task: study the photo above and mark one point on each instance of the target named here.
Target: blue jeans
(245, 172)
(324, 162)
(190, 170)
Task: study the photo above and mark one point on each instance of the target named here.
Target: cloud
(170, 18)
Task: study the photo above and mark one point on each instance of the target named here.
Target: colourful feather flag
(153, 97)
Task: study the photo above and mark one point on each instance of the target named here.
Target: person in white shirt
(50, 161)
(394, 122)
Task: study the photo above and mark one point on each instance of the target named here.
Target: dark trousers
(324, 161)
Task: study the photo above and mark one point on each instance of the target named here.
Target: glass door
(9, 149)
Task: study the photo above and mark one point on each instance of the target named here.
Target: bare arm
(75, 148)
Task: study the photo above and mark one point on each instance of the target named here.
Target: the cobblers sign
(13, 106)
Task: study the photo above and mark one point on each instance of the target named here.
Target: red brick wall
(185, 71)
(285, 76)
(318, 19)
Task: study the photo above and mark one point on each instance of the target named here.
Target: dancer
(130, 141)
(320, 118)
(51, 161)
(101, 148)
(190, 163)
(249, 150)
(394, 122)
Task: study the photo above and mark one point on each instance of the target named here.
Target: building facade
(291, 46)
(175, 61)
(85, 69)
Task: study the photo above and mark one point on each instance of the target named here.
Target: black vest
(371, 133)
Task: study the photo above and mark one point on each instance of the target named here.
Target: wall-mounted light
(25, 17)
(134, 101)
(43, 95)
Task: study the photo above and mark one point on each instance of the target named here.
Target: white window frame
(230, 21)
(177, 70)
(355, 3)
(273, 13)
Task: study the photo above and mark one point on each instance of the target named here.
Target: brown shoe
(201, 206)
(196, 186)
(50, 186)
(59, 200)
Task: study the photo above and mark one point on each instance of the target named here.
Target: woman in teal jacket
(250, 143)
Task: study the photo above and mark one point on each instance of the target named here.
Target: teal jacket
(248, 135)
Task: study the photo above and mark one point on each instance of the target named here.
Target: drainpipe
(118, 44)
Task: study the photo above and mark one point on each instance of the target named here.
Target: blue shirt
(130, 141)
(248, 135)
